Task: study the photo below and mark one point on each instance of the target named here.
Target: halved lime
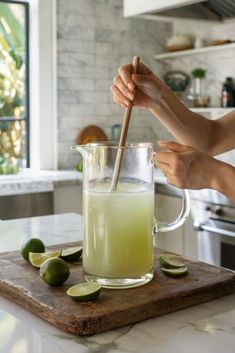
(54, 271)
(83, 292)
(71, 254)
(37, 259)
(32, 245)
(167, 261)
(175, 272)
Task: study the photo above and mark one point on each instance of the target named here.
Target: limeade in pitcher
(118, 231)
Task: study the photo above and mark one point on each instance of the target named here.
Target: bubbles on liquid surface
(126, 185)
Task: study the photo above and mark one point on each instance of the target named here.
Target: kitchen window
(14, 86)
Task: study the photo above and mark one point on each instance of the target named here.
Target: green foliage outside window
(12, 69)
(12, 86)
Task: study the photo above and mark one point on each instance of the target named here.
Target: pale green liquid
(118, 232)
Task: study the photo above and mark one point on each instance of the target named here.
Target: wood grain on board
(21, 283)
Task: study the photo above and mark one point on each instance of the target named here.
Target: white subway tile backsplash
(75, 46)
(82, 7)
(68, 71)
(68, 97)
(65, 146)
(109, 109)
(115, 22)
(82, 109)
(108, 35)
(80, 59)
(74, 32)
(96, 72)
(93, 97)
(69, 160)
(109, 61)
(103, 84)
(93, 41)
(101, 10)
(81, 84)
(70, 20)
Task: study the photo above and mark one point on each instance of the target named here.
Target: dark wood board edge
(101, 323)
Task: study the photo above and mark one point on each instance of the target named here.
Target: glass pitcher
(119, 224)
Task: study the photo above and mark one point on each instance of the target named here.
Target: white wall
(93, 40)
(43, 104)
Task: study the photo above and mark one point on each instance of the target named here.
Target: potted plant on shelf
(197, 98)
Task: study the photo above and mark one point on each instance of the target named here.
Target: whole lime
(54, 271)
(32, 245)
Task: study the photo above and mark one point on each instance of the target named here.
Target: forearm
(188, 128)
(224, 180)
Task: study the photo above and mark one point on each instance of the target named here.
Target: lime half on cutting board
(167, 261)
(175, 272)
(71, 254)
(83, 292)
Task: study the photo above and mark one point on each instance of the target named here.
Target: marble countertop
(204, 328)
(33, 181)
(36, 181)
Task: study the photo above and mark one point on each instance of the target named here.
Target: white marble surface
(32, 181)
(207, 328)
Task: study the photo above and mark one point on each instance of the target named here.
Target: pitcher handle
(166, 227)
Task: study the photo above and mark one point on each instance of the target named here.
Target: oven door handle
(211, 229)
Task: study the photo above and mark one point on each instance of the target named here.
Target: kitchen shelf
(212, 110)
(172, 55)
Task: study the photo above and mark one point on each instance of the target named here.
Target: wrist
(223, 174)
(156, 104)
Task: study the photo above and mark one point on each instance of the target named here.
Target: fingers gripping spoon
(123, 135)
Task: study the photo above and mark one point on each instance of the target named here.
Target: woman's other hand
(186, 167)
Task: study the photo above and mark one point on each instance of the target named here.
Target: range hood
(215, 10)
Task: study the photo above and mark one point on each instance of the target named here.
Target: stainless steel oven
(214, 220)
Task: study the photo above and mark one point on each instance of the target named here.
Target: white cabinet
(68, 198)
(171, 10)
(182, 240)
(140, 7)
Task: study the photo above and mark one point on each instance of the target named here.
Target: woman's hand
(186, 167)
(148, 87)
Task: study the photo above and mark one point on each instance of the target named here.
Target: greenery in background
(12, 69)
(198, 73)
(12, 86)
(79, 167)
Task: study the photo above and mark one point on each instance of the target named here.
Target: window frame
(43, 139)
(43, 83)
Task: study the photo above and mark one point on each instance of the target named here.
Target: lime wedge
(84, 291)
(71, 254)
(167, 262)
(175, 272)
(37, 259)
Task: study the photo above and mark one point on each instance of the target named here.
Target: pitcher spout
(81, 149)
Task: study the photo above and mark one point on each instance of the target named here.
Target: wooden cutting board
(21, 283)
